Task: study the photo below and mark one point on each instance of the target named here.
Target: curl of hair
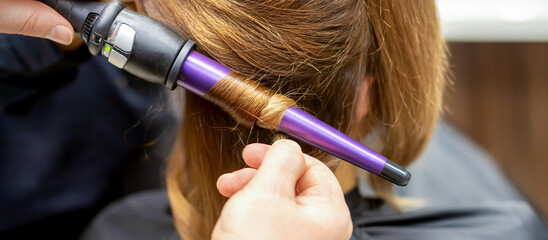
(248, 102)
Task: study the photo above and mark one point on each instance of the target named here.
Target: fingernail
(60, 34)
(287, 143)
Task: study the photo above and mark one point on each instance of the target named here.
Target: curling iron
(150, 50)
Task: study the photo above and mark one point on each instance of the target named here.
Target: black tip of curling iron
(395, 173)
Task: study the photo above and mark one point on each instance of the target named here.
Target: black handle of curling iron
(131, 41)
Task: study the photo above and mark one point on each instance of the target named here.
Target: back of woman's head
(318, 53)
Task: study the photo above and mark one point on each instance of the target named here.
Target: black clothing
(70, 126)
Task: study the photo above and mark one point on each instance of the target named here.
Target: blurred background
(499, 95)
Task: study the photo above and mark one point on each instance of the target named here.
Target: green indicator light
(107, 48)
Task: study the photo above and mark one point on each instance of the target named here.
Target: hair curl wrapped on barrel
(248, 102)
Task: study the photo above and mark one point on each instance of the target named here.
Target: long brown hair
(317, 53)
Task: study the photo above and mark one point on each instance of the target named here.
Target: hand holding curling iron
(33, 18)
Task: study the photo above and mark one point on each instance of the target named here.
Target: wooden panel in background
(500, 99)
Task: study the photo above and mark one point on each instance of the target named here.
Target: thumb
(35, 19)
(282, 166)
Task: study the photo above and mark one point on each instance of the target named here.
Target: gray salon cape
(464, 194)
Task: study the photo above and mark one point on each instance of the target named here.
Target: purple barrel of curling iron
(150, 50)
(202, 73)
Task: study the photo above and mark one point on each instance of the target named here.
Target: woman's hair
(318, 53)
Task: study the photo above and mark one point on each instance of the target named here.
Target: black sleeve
(30, 67)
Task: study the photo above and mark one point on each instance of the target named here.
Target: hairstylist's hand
(290, 196)
(33, 18)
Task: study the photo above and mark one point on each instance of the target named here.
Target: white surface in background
(494, 20)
